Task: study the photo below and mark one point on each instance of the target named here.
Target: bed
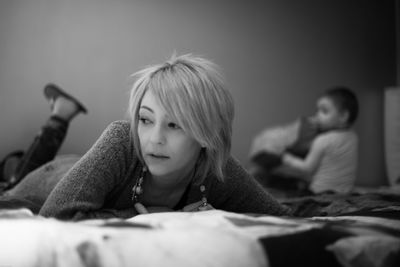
(207, 238)
(357, 229)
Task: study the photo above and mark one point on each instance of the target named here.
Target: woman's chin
(157, 170)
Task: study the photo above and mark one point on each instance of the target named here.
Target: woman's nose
(157, 135)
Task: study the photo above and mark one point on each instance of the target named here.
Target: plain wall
(277, 57)
(397, 5)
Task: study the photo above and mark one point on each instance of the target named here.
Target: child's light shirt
(338, 165)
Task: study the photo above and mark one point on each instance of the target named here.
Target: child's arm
(304, 168)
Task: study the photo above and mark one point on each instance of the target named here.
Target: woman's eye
(173, 125)
(144, 120)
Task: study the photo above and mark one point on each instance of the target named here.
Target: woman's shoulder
(115, 140)
(234, 171)
(115, 136)
(118, 130)
(120, 125)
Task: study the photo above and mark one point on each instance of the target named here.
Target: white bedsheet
(209, 238)
(185, 239)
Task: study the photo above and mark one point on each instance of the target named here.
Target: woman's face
(167, 150)
(328, 116)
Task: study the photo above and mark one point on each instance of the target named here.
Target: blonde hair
(192, 92)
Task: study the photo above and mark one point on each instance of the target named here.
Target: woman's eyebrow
(147, 108)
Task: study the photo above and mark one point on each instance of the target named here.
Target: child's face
(328, 116)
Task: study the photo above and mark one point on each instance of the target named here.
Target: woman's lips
(156, 157)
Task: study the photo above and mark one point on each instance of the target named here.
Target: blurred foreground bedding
(209, 238)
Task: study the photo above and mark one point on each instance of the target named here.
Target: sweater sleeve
(82, 192)
(241, 193)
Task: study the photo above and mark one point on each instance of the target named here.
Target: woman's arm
(240, 192)
(82, 192)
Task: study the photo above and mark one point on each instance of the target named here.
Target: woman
(172, 154)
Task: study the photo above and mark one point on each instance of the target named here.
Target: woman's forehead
(152, 102)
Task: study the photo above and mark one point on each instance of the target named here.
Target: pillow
(306, 133)
(275, 139)
(267, 160)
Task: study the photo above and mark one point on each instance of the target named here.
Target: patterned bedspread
(209, 238)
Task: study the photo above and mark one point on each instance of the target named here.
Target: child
(320, 150)
(331, 163)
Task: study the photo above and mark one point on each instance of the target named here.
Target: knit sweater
(100, 184)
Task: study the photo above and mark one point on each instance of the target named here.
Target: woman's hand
(197, 206)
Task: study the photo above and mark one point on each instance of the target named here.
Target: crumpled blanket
(294, 138)
(184, 240)
(208, 238)
(34, 189)
(382, 203)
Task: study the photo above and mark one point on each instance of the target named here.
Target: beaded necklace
(137, 190)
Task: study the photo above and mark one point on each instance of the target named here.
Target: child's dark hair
(345, 100)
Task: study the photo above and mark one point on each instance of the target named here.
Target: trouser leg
(44, 147)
